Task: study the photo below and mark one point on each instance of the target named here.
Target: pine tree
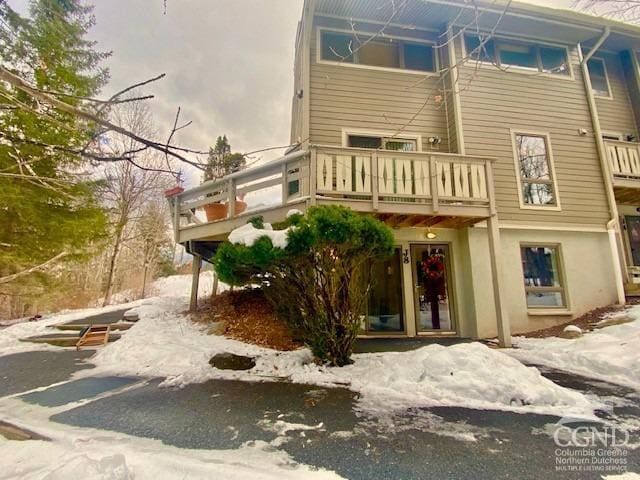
(47, 202)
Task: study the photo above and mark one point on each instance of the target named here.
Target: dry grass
(249, 317)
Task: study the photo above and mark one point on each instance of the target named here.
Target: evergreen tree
(221, 161)
(47, 203)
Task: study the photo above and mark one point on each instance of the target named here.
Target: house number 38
(405, 255)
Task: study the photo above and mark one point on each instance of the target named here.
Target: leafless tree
(625, 10)
(128, 187)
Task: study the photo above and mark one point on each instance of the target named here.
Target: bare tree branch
(37, 268)
(171, 151)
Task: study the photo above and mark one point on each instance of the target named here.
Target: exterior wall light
(431, 235)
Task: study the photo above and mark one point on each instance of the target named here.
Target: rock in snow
(230, 361)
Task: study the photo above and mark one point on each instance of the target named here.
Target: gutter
(613, 225)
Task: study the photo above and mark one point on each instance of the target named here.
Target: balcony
(403, 189)
(624, 159)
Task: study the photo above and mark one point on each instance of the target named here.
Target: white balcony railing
(376, 181)
(401, 177)
(624, 158)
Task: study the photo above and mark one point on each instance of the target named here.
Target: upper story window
(598, 77)
(385, 52)
(535, 171)
(385, 143)
(507, 53)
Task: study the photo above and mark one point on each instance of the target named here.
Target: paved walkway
(25, 371)
(421, 444)
(101, 318)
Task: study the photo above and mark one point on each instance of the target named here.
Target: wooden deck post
(214, 288)
(195, 281)
(502, 318)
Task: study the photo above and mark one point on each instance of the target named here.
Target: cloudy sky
(229, 64)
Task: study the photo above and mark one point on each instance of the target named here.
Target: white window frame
(346, 132)
(321, 61)
(562, 279)
(552, 171)
(515, 68)
(606, 76)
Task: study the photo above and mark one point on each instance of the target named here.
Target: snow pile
(180, 285)
(248, 235)
(470, 375)
(121, 457)
(610, 354)
(162, 344)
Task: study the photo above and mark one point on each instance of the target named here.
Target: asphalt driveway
(317, 426)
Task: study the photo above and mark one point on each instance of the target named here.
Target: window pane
(385, 312)
(540, 269)
(538, 194)
(379, 54)
(419, 57)
(337, 47)
(544, 299)
(554, 60)
(359, 141)
(532, 156)
(485, 53)
(598, 77)
(401, 145)
(517, 55)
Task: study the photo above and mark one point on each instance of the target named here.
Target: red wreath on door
(433, 277)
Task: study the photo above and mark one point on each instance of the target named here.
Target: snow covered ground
(166, 343)
(87, 454)
(611, 354)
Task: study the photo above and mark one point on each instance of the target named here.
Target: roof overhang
(519, 19)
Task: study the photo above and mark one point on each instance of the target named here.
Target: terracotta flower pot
(215, 211)
(240, 206)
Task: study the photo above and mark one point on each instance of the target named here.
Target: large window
(534, 170)
(507, 53)
(598, 77)
(383, 52)
(542, 276)
(385, 143)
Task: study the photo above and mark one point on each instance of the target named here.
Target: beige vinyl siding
(494, 102)
(616, 114)
(367, 99)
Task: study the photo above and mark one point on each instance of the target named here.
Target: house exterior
(500, 144)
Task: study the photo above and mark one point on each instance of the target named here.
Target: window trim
(552, 171)
(346, 132)
(564, 291)
(524, 70)
(606, 76)
(420, 41)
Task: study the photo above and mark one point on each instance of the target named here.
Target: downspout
(613, 225)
